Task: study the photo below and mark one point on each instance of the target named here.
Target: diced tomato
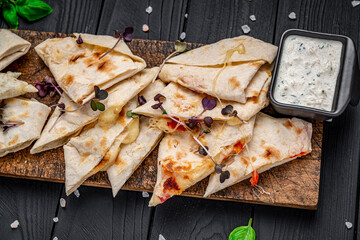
(298, 155)
(255, 178)
(172, 124)
(238, 147)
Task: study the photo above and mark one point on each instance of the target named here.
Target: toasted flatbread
(11, 87)
(33, 115)
(275, 141)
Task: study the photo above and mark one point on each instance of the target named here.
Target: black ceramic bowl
(347, 86)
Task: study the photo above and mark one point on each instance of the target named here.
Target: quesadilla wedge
(30, 116)
(84, 152)
(275, 141)
(131, 155)
(181, 164)
(258, 82)
(12, 47)
(77, 67)
(223, 69)
(184, 103)
(11, 87)
(71, 123)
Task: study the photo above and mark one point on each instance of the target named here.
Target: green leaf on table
(10, 15)
(32, 10)
(243, 233)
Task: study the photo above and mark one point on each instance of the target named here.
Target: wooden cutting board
(295, 184)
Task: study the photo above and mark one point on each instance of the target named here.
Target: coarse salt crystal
(62, 202)
(145, 194)
(25, 161)
(186, 15)
(15, 224)
(149, 9)
(55, 238)
(292, 16)
(145, 28)
(182, 35)
(348, 224)
(56, 219)
(161, 237)
(245, 28)
(355, 3)
(252, 18)
(77, 193)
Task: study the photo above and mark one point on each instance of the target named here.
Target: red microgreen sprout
(79, 40)
(141, 100)
(208, 121)
(229, 110)
(127, 35)
(62, 112)
(10, 124)
(47, 86)
(208, 104)
(100, 94)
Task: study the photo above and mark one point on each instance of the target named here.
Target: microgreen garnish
(243, 232)
(202, 151)
(208, 121)
(100, 94)
(207, 131)
(229, 110)
(180, 47)
(141, 100)
(208, 104)
(79, 40)
(131, 114)
(62, 111)
(47, 86)
(127, 35)
(10, 124)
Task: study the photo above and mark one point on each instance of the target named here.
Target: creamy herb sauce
(308, 72)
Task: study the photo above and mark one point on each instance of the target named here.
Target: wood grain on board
(295, 184)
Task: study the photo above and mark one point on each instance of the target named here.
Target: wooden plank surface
(340, 162)
(299, 178)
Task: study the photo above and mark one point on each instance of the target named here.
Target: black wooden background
(96, 215)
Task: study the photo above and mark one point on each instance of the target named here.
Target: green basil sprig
(243, 233)
(31, 10)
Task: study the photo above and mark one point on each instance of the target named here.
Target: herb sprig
(229, 110)
(10, 124)
(243, 232)
(62, 112)
(127, 35)
(31, 10)
(47, 86)
(100, 94)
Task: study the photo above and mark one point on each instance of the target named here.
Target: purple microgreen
(63, 110)
(193, 122)
(131, 114)
(208, 121)
(61, 105)
(79, 40)
(180, 47)
(10, 124)
(100, 93)
(157, 105)
(224, 175)
(202, 151)
(208, 104)
(218, 168)
(127, 37)
(141, 100)
(159, 97)
(227, 110)
(47, 86)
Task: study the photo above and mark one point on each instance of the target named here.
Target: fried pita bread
(71, 123)
(12, 47)
(33, 115)
(223, 69)
(180, 167)
(275, 141)
(181, 102)
(77, 68)
(11, 87)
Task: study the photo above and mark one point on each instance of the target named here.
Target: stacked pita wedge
(223, 69)
(77, 67)
(275, 141)
(11, 87)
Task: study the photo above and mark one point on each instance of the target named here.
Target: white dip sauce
(308, 71)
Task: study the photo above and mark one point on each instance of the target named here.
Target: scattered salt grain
(15, 224)
(149, 9)
(348, 224)
(252, 18)
(145, 28)
(292, 16)
(161, 237)
(62, 202)
(355, 3)
(55, 238)
(186, 15)
(25, 161)
(77, 193)
(55, 219)
(145, 194)
(182, 35)
(245, 28)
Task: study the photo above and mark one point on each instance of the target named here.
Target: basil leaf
(32, 10)
(9, 14)
(243, 233)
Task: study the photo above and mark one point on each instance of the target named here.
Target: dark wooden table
(97, 215)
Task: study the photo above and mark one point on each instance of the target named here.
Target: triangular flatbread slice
(77, 67)
(71, 123)
(181, 102)
(180, 166)
(131, 155)
(275, 141)
(214, 69)
(84, 152)
(11, 87)
(258, 82)
(12, 47)
(33, 115)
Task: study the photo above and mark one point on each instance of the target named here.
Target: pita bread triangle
(11, 87)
